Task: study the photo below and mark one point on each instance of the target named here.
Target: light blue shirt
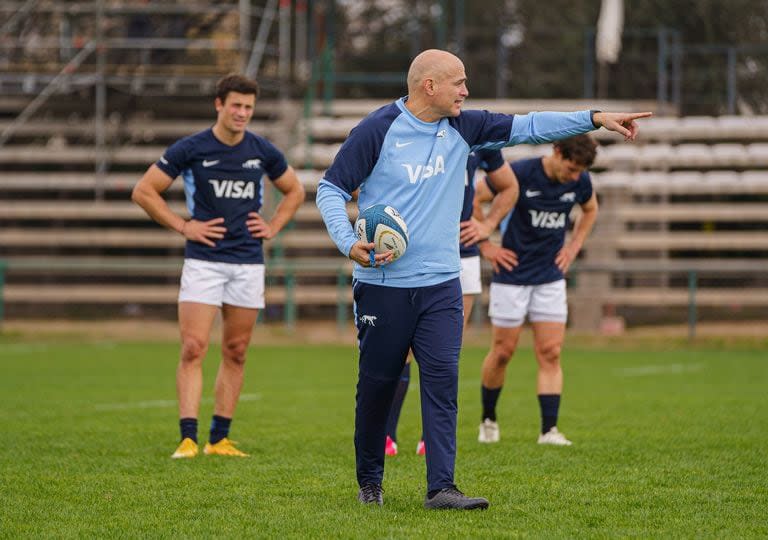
(418, 168)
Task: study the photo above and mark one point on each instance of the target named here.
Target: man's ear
(218, 104)
(430, 87)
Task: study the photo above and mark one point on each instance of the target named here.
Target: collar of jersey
(225, 145)
(429, 127)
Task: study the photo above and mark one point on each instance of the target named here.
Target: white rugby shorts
(217, 283)
(470, 275)
(509, 304)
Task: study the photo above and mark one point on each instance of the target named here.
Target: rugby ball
(383, 225)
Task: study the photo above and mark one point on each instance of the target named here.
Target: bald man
(412, 155)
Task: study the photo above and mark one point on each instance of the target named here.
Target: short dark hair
(580, 149)
(236, 83)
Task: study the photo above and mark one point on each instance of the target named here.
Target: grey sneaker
(371, 494)
(452, 498)
(554, 437)
(489, 432)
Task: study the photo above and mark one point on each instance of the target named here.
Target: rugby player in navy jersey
(533, 285)
(473, 230)
(412, 155)
(223, 170)
(500, 175)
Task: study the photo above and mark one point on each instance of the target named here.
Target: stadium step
(161, 294)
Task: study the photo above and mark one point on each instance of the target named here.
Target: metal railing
(94, 46)
(692, 270)
(288, 269)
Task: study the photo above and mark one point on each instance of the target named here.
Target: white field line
(160, 403)
(30, 348)
(24, 348)
(658, 369)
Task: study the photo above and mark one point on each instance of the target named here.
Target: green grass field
(667, 443)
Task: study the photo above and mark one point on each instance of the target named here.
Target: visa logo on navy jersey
(422, 172)
(547, 220)
(233, 189)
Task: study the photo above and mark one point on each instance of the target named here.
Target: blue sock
(549, 405)
(397, 403)
(188, 427)
(219, 428)
(489, 397)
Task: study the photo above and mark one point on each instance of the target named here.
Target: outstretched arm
(546, 126)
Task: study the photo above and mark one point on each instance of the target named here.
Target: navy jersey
(535, 229)
(418, 168)
(224, 181)
(489, 161)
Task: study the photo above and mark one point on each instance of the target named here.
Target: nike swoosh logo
(398, 144)
(529, 193)
(210, 163)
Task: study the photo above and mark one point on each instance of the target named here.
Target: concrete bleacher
(689, 189)
(661, 233)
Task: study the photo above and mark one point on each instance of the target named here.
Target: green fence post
(692, 284)
(329, 78)
(290, 303)
(2, 289)
(341, 305)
